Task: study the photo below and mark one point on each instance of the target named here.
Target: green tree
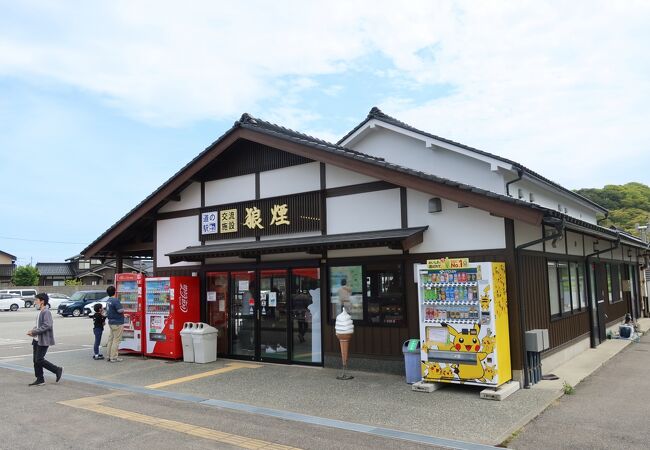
(628, 204)
(25, 276)
(74, 282)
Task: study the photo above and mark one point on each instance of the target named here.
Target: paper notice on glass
(437, 334)
(222, 305)
(212, 296)
(273, 299)
(243, 285)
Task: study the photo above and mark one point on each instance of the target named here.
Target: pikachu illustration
(488, 342)
(448, 373)
(485, 299)
(431, 371)
(467, 340)
(489, 374)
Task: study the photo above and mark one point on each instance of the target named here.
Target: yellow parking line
(94, 404)
(229, 368)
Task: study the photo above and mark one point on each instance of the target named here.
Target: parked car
(90, 307)
(11, 302)
(78, 300)
(56, 299)
(27, 295)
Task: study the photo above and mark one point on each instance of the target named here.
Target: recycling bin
(186, 340)
(412, 364)
(204, 339)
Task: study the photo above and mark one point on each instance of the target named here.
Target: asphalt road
(74, 415)
(609, 410)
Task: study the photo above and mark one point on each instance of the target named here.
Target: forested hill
(628, 204)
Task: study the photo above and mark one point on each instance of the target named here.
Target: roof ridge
(378, 114)
(248, 120)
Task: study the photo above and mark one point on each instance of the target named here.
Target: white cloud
(550, 84)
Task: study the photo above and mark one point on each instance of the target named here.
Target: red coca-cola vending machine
(169, 303)
(129, 291)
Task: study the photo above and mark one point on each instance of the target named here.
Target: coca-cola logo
(184, 300)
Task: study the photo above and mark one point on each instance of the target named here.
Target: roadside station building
(282, 228)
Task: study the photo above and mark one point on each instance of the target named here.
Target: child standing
(99, 319)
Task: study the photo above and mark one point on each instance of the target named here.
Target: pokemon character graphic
(485, 299)
(467, 340)
(488, 342)
(431, 371)
(448, 373)
(490, 373)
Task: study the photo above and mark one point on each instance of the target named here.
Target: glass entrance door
(218, 301)
(243, 332)
(305, 316)
(273, 312)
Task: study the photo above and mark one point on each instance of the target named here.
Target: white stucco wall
(551, 199)
(462, 165)
(230, 190)
(337, 177)
(290, 180)
(175, 234)
(574, 244)
(525, 233)
(369, 211)
(412, 153)
(453, 228)
(190, 198)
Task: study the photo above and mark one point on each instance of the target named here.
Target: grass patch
(568, 389)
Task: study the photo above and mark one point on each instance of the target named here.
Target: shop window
(384, 294)
(372, 294)
(583, 286)
(566, 287)
(608, 270)
(553, 292)
(614, 283)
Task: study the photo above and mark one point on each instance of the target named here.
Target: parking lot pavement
(307, 394)
(74, 415)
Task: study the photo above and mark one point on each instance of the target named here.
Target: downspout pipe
(559, 233)
(520, 175)
(616, 244)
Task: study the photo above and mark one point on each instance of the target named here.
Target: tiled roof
(55, 269)
(376, 113)
(251, 123)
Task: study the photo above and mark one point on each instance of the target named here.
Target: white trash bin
(204, 338)
(186, 339)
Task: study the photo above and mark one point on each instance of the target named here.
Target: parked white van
(26, 294)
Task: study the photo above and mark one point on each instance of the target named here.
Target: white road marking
(8, 358)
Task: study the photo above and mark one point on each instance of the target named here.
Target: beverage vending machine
(464, 322)
(129, 291)
(169, 302)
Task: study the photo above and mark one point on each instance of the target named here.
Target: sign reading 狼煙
(447, 263)
(277, 215)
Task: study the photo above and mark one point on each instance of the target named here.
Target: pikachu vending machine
(464, 322)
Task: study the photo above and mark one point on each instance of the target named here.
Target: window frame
(366, 321)
(578, 306)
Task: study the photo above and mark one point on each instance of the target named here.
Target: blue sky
(101, 102)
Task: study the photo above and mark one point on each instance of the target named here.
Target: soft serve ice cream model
(344, 330)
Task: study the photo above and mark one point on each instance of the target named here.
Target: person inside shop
(300, 313)
(344, 294)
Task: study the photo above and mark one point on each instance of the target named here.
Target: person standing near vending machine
(115, 316)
